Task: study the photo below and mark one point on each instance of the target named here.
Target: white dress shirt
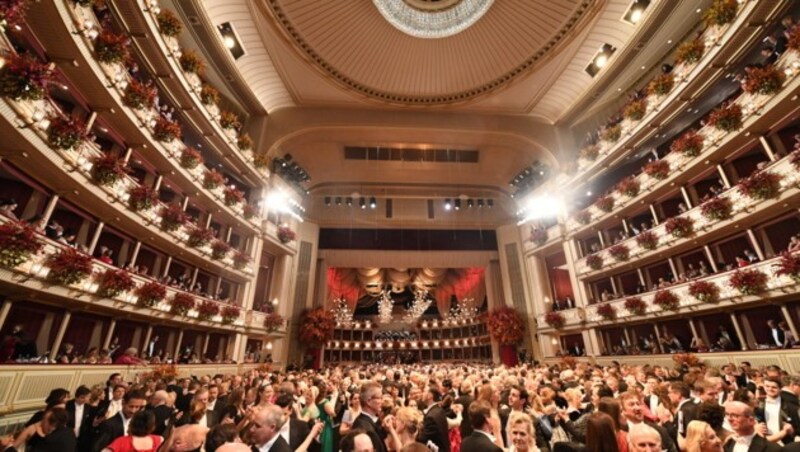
(78, 418)
(113, 408)
(776, 337)
(772, 413)
(742, 443)
(284, 431)
(125, 422)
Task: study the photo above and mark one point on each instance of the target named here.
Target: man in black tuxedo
(743, 423)
(686, 411)
(434, 424)
(117, 425)
(777, 336)
(80, 416)
(465, 400)
(161, 411)
(480, 440)
(368, 420)
(294, 431)
(781, 418)
(114, 380)
(266, 425)
(632, 411)
(211, 418)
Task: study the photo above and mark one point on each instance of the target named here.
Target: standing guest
(521, 433)
(51, 434)
(57, 398)
(139, 437)
(632, 411)
(350, 414)
(481, 439)
(80, 416)
(743, 424)
(267, 424)
(700, 437)
(369, 421)
(357, 441)
(129, 357)
(777, 335)
(403, 427)
(293, 431)
(601, 434)
(434, 426)
(116, 426)
(644, 438)
(162, 411)
(788, 337)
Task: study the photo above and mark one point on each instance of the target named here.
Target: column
(789, 320)
(658, 338)
(767, 148)
(578, 288)
(686, 197)
(655, 215)
(4, 312)
(724, 176)
(95, 238)
(178, 345)
(642, 279)
(110, 334)
(627, 336)
(147, 336)
(60, 335)
(208, 220)
(711, 259)
(738, 329)
(754, 244)
(693, 327)
(135, 253)
(205, 343)
(602, 239)
(127, 156)
(625, 227)
(157, 184)
(194, 277)
(166, 266)
(614, 285)
(48, 211)
(673, 267)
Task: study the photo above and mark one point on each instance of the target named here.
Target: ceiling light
(600, 59)
(373, 203)
(362, 203)
(480, 203)
(349, 201)
(470, 203)
(229, 41)
(327, 201)
(636, 11)
(457, 204)
(338, 200)
(447, 204)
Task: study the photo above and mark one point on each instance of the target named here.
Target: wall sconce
(600, 59)
(636, 11)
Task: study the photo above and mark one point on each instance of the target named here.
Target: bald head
(159, 398)
(643, 438)
(740, 416)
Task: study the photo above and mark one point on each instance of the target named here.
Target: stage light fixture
(362, 203)
(447, 204)
(338, 200)
(327, 201)
(480, 203)
(457, 204)
(231, 41)
(636, 11)
(600, 59)
(373, 203)
(349, 201)
(470, 203)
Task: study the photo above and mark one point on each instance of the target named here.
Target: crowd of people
(438, 407)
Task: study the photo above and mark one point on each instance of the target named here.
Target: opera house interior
(273, 187)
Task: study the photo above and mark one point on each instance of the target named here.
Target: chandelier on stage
(385, 306)
(342, 313)
(418, 307)
(462, 311)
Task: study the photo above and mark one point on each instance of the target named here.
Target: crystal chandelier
(462, 311)
(385, 306)
(342, 313)
(418, 307)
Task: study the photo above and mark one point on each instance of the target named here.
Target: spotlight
(338, 200)
(490, 203)
(349, 201)
(230, 43)
(327, 201)
(362, 203)
(636, 11)
(457, 205)
(600, 59)
(447, 204)
(480, 203)
(231, 40)
(373, 203)
(470, 203)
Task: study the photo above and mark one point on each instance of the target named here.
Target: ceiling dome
(432, 18)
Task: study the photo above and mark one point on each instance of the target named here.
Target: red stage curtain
(508, 355)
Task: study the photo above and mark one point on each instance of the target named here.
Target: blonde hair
(411, 417)
(695, 435)
(517, 418)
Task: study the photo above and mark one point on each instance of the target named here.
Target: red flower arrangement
(316, 327)
(68, 266)
(191, 158)
(590, 152)
(240, 259)
(794, 37)
(250, 211)
(761, 185)
(18, 241)
(704, 291)
(233, 196)
(212, 179)
(657, 169)
(628, 187)
(689, 144)
(150, 294)
(111, 48)
(748, 281)
(229, 120)
(605, 203)
(199, 237)
(611, 134)
(539, 235)
(789, 265)
(647, 240)
(506, 326)
(555, 319)
(113, 282)
(244, 142)
(66, 133)
(181, 303)
(607, 311)
(141, 197)
(690, 52)
(166, 130)
(583, 216)
(794, 159)
(172, 217)
(207, 309)
(661, 85)
(209, 95)
(192, 62)
(273, 322)
(12, 12)
(219, 249)
(635, 305)
(108, 169)
(140, 96)
(594, 261)
(24, 78)
(635, 109)
(285, 234)
(168, 23)
(229, 314)
(666, 300)
(726, 117)
(685, 360)
(620, 252)
(763, 80)
(721, 12)
(679, 227)
(717, 208)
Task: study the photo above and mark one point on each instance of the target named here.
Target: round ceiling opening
(432, 19)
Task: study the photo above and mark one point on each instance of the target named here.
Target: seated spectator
(7, 208)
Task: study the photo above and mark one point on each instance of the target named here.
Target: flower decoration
(583, 216)
(240, 259)
(666, 300)
(726, 117)
(788, 265)
(166, 130)
(605, 203)
(657, 169)
(209, 95)
(689, 144)
(229, 120)
(111, 48)
(316, 327)
(705, 291)
(794, 37)
(717, 208)
(229, 314)
(261, 161)
(219, 249)
(113, 282)
(761, 185)
(661, 85)
(628, 187)
(590, 152)
(200, 237)
(212, 179)
(555, 319)
(12, 12)
(794, 159)
(191, 158)
(172, 217)
(765, 80)
(68, 266)
(18, 241)
(539, 235)
(250, 211)
(285, 234)
(165, 372)
(244, 142)
(233, 196)
(505, 325)
(635, 109)
(207, 309)
(181, 303)
(192, 63)
(140, 95)
(108, 169)
(611, 134)
(635, 305)
(620, 252)
(150, 294)
(23, 77)
(607, 311)
(66, 133)
(721, 12)
(748, 281)
(594, 261)
(273, 322)
(679, 227)
(690, 52)
(168, 23)
(647, 240)
(685, 360)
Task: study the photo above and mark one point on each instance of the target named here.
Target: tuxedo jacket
(60, 440)
(375, 432)
(298, 431)
(86, 418)
(789, 413)
(434, 429)
(278, 446)
(478, 442)
(107, 432)
(759, 444)
(162, 413)
(687, 413)
(465, 400)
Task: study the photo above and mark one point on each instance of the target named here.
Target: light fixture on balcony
(362, 203)
(373, 203)
(636, 11)
(457, 204)
(230, 39)
(448, 204)
(600, 59)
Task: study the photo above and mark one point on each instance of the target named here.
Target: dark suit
(465, 400)
(478, 442)
(434, 428)
(759, 444)
(298, 431)
(162, 413)
(375, 431)
(667, 443)
(60, 440)
(687, 413)
(788, 413)
(107, 432)
(280, 446)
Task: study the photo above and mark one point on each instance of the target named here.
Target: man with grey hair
(159, 406)
(267, 424)
(369, 420)
(643, 438)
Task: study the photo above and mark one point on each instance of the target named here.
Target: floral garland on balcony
(114, 282)
(666, 300)
(140, 95)
(240, 259)
(261, 160)
(166, 130)
(661, 85)
(24, 78)
(607, 311)
(285, 234)
(233, 196)
(611, 134)
(150, 294)
(690, 52)
(200, 237)
(635, 305)
(68, 266)
(555, 319)
(794, 159)
(704, 291)
(111, 48)
(209, 95)
(763, 80)
(273, 322)
(635, 109)
(316, 327)
(594, 261)
(685, 360)
(229, 314)
(219, 249)
(761, 185)
(590, 152)
(794, 37)
(583, 217)
(212, 179)
(647, 240)
(789, 265)
(689, 144)
(749, 281)
(165, 372)
(181, 303)
(12, 12)
(721, 12)
(172, 217)
(244, 142)
(229, 120)
(538, 235)
(207, 309)
(605, 203)
(18, 241)
(108, 169)
(657, 169)
(620, 252)
(717, 208)
(168, 23)
(505, 325)
(679, 227)
(192, 63)
(191, 158)
(629, 187)
(66, 133)
(726, 117)
(250, 211)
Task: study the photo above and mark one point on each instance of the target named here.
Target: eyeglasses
(736, 415)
